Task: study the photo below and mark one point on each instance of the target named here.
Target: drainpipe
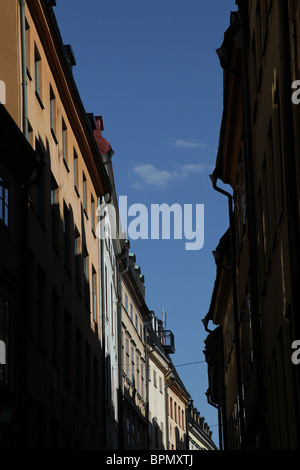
(235, 303)
(24, 69)
(167, 404)
(220, 424)
(147, 355)
(290, 171)
(102, 323)
(147, 383)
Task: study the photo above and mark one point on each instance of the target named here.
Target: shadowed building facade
(255, 301)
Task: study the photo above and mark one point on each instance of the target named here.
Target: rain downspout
(24, 69)
(167, 403)
(235, 301)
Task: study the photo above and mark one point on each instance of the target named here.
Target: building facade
(255, 303)
(109, 249)
(199, 434)
(61, 336)
(134, 363)
(178, 400)
(159, 370)
(79, 367)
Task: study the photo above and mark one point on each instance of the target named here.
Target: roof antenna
(164, 318)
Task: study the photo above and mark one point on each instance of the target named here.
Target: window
(133, 431)
(84, 192)
(160, 385)
(92, 213)
(182, 420)
(131, 312)
(86, 278)
(77, 258)
(88, 374)
(65, 143)
(106, 303)
(96, 385)
(54, 212)
(142, 379)
(78, 361)
(40, 305)
(67, 345)
(76, 171)
(136, 322)
(126, 302)
(55, 328)
(127, 358)
(37, 72)
(5, 336)
(137, 374)
(28, 41)
(94, 294)
(112, 308)
(4, 194)
(171, 407)
(40, 187)
(132, 367)
(128, 430)
(154, 378)
(66, 232)
(53, 113)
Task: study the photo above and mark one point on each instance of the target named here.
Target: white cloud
(150, 176)
(189, 144)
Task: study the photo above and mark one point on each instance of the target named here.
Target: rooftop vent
(70, 55)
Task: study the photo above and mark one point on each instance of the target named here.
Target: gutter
(235, 302)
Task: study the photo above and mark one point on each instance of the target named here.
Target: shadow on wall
(58, 403)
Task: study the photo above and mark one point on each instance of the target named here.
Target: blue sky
(151, 70)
